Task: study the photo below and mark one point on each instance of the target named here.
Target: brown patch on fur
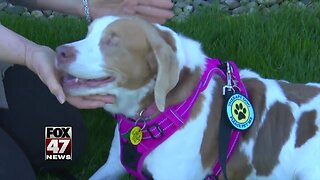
(272, 136)
(257, 94)
(169, 39)
(125, 48)
(197, 107)
(306, 128)
(209, 145)
(187, 82)
(238, 167)
(299, 93)
(146, 101)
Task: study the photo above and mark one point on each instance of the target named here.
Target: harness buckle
(230, 80)
(158, 128)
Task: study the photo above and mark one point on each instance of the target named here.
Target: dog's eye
(112, 40)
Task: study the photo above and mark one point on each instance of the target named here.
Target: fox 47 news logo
(58, 142)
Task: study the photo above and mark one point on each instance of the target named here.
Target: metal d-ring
(144, 123)
(141, 119)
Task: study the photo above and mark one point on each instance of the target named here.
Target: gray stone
(18, 10)
(232, 4)
(244, 2)
(57, 14)
(189, 1)
(252, 5)
(37, 13)
(180, 4)
(274, 7)
(196, 4)
(188, 9)
(239, 10)
(3, 5)
(301, 5)
(252, 10)
(261, 7)
(267, 2)
(265, 10)
(180, 18)
(306, 2)
(177, 10)
(51, 16)
(285, 3)
(205, 3)
(47, 12)
(223, 7)
(72, 17)
(26, 14)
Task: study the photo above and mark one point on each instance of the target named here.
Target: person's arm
(153, 10)
(16, 49)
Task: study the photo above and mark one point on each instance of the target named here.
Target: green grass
(283, 45)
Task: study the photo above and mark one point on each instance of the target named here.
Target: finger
(108, 99)
(148, 11)
(165, 4)
(54, 86)
(154, 19)
(82, 103)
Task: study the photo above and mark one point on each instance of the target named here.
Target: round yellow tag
(240, 112)
(135, 135)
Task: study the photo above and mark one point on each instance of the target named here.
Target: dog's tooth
(76, 80)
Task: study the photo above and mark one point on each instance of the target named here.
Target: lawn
(282, 45)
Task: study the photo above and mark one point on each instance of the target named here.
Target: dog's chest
(179, 155)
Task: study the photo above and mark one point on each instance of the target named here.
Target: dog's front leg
(112, 169)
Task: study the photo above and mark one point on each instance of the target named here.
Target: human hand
(157, 11)
(90, 102)
(41, 59)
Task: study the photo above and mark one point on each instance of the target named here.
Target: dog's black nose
(65, 54)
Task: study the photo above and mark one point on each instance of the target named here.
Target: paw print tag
(135, 135)
(240, 112)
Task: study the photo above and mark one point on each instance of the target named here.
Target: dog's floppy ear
(167, 63)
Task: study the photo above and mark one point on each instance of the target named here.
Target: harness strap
(161, 127)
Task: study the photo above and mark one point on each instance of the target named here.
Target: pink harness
(160, 128)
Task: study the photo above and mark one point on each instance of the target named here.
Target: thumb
(56, 89)
(54, 86)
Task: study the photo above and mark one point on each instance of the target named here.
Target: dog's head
(123, 57)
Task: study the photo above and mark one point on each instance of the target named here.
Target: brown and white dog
(140, 63)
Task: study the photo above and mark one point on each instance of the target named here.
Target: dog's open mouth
(70, 81)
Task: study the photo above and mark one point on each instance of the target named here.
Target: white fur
(179, 157)
(90, 62)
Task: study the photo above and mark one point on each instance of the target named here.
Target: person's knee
(32, 108)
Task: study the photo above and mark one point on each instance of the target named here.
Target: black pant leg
(31, 108)
(13, 162)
